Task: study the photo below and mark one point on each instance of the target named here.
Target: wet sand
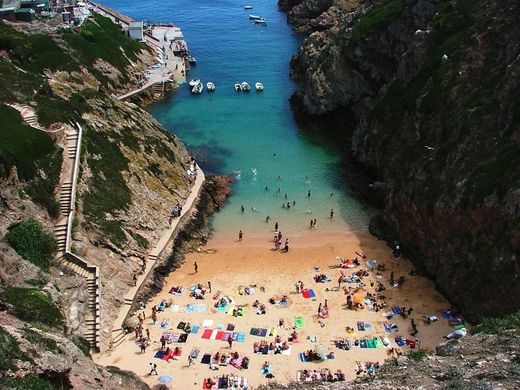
(229, 264)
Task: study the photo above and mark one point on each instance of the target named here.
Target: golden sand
(229, 264)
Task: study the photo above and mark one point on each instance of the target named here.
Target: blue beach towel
(396, 309)
(195, 329)
(311, 293)
(302, 358)
(241, 337)
(201, 307)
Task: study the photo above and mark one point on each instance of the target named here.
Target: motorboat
(260, 21)
(197, 88)
(259, 86)
(193, 82)
(210, 86)
(192, 60)
(255, 17)
(237, 87)
(245, 86)
(248, 7)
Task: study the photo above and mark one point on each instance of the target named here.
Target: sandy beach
(228, 264)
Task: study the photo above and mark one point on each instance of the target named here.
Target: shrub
(81, 343)
(26, 383)
(32, 242)
(418, 355)
(10, 351)
(495, 325)
(32, 305)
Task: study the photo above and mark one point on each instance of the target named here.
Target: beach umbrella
(164, 379)
(371, 263)
(357, 298)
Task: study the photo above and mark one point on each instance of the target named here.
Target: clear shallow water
(238, 132)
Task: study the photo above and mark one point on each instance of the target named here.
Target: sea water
(252, 136)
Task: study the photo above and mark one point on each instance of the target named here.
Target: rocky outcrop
(433, 90)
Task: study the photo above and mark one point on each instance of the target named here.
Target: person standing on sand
(230, 341)
(267, 219)
(314, 222)
(242, 208)
(319, 310)
(286, 247)
(196, 266)
(276, 226)
(209, 286)
(240, 235)
(190, 360)
(331, 213)
(153, 368)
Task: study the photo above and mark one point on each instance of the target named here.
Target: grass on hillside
(41, 342)
(108, 191)
(29, 239)
(21, 145)
(100, 38)
(495, 325)
(10, 352)
(34, 306)
(26, 383)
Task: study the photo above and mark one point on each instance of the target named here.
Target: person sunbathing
(245, 363)
(256, 347)
(256, 303)
(294, 336)
(340, 376)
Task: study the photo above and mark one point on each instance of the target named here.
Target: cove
(243, 133)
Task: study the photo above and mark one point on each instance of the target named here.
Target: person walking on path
(153, 369)
(240, 235)
(135, 280)
(196, 266)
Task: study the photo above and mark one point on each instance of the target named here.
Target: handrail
(75, 172)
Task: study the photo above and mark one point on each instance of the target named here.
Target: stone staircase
(63, 232)
(28, 115)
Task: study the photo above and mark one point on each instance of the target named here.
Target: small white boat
(237, 87)
(260, 21)
(193, 82)
(259, 86)
(197, 88)
(255, 17)
(192, 60)
(210, 86)
(248, 7)
(245, 86)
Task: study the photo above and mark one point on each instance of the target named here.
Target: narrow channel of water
(251, 135)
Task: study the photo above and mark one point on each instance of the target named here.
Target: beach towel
(273, 332)
(223, 382)
(378, 343)
(302, 357)
(313, 339)
(195, 329)
(363, 344)
(298, 322)
(219, 335)
(217, 294)
(193, 288)
(227, 336)
(361, 326)
(206, 359)
(266, 371)
(331, 356)
(176, 353)
(253, 332)
(183, 338)
(286, 352)
(181, 325)
(410, 343)
(199, 308)
(189, 308)
(371, 344)
(396, 309)
(230, 309)
(194, 353)
(230, 327)
(386, 341)
(207, 333)
(400, 341)
(159, 354)
(389, 329)
(262, 332)
(389, 314)
(223, 309)
(368, 326)
(264, 350)
(207, 323)
(220, 326)
(213, 334)
(241, 337)
(205, 384)
(176, 308)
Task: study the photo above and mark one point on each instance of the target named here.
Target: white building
(135, 30)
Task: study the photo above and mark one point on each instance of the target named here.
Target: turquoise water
(236, 133)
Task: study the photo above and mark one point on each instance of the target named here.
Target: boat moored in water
(193, 82)
(260, 21)
(245, 86)
(255, 17)
(237, 87)
(259, 86)
(192, 60)
(210, 86)
(197, 89)
(248, 7)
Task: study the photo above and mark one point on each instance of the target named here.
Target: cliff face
(434, 90)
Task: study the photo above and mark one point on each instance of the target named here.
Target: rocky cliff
(433, 90)
(132, 173)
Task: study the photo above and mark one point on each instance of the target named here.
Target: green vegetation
(81, 343)
(42, 342)
(21, 145)
(10, 351)
(32, 305)
(418, 355)
(100, 39)
(108, 191)
(378, 18)
(32, 242)
(495, 325)
(26, 383)
(141, 241)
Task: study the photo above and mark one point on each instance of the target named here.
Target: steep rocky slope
(432, 88)
(132, 173)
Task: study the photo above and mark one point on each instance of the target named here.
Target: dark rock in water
(449, 348)
(434, 91)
